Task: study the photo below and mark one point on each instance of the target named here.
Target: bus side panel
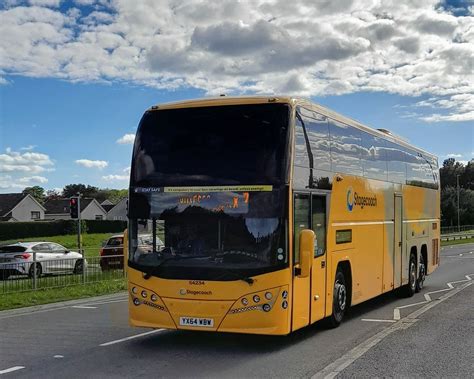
(388, 257)
(367, 271)
(421, 221)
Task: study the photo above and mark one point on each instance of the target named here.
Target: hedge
(16, 230)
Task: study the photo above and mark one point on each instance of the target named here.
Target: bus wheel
(421, 274)
(410, 288)
(339, 299)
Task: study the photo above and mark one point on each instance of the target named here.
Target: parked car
(111, 253)
(51, 258)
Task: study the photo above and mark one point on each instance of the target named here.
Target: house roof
(8, 201)
(107, 207)
(106, 202)
(60, 206)
(116, 205)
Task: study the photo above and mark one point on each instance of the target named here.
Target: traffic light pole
(79, 244)
(79, 239)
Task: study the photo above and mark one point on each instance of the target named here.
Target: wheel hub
(341, 296)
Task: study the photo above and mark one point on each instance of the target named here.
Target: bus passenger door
(398, 241)
(301, 286)
(318, 270)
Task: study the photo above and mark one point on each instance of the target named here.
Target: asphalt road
(387, 336)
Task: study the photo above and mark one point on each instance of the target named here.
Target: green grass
(45, 296)
(91, 243)
(457, 242)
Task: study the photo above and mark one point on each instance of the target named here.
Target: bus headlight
(268, 295)
(134, 290)
(154, 297)
(266, 307)
(245, 301)
(144, 294)
(256, 298)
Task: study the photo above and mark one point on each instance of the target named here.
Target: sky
(76, 76)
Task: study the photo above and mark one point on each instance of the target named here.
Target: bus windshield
(210, 182)
(234, 144)
(208, 233)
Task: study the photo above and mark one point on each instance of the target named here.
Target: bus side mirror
(306, 252)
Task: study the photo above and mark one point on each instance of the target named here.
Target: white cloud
(45, 3)
(111, 178)
(28, 148)
(305, 48)
(92, 164)
(127, 170)
(33, 180)
(127, 139)
(454, 155)
(29, 162)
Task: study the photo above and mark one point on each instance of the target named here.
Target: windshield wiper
(154, 269)
(245, 278)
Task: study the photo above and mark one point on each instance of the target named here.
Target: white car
(51, 258)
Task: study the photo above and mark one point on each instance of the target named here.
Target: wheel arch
(424, 254)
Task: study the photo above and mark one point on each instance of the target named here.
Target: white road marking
(109, 302)
(377, 320)
(11, 369)
(58, 356)
(131, 337)
(396, 311)
(83, 307)
(333, 369)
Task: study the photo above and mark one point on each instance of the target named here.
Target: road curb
(62, 304)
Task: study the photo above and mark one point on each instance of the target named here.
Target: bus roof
(294, 101)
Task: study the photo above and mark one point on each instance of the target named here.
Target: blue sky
(75, 77)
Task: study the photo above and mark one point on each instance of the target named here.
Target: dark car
(111, 254)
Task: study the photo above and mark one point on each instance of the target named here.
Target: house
(118, 211)
(58, 209)
(20, 207)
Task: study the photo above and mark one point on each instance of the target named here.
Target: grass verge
(46, 296)
(457, 242)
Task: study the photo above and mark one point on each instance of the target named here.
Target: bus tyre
(410, 288)
(339, 300)
(421, 274)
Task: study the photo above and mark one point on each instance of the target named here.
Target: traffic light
(74, 207)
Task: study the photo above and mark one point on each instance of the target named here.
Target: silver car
(51, 258)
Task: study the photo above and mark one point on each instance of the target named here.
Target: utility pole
(457, 185)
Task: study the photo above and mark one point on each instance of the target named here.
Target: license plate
(196, 321)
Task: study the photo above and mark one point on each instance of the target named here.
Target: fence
(455, 229)
(18, 275)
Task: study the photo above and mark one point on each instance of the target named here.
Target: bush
(17, 230)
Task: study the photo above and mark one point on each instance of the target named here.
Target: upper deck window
(220, 145)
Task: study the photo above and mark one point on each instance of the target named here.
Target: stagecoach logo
(353, 198)
(184, 291)
(350, 199)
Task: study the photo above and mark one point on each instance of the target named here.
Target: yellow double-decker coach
(267, 214)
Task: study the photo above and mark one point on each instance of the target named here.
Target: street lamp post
(457, 185)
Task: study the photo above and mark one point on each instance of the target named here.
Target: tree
(37, 192)
(449, 192)
(86, 191)
(53, 195)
